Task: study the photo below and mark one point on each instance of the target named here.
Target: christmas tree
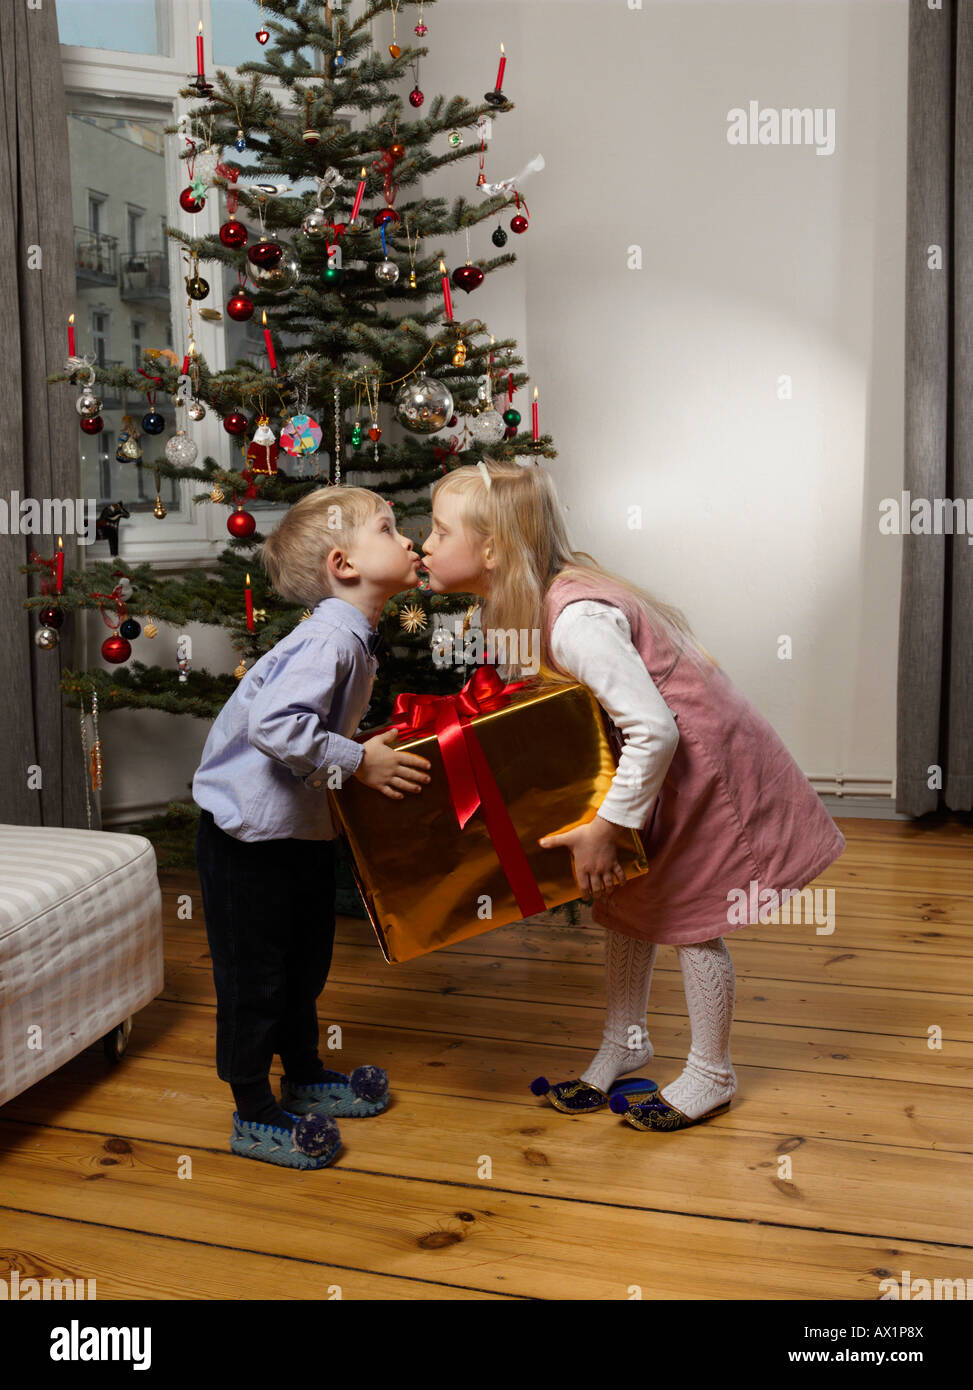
(369, 376)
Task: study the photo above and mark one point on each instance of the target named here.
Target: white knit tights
(709, 980)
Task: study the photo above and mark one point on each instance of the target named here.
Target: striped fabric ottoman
(80, 943)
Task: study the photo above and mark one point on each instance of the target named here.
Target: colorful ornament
(301, 436)
(116, 649)
(265, 253)
(240, 143)
(189, 203)
(262, 451)
(235, 423)
(128, 449)
(233, 234)
(241, 524)
(467, 277)
(240, 306)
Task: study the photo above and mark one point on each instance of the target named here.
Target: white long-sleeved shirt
(593, 642)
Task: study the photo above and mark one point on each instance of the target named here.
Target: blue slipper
(579, 1097)
(658, 1114)
(365, 1092)
(314, 1141)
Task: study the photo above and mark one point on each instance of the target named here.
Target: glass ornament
(424, 405)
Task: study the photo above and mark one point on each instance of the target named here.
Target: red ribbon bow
(471, 781)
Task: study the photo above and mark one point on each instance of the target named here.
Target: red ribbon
(471, 781)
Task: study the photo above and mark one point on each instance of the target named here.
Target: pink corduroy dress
(735, 811)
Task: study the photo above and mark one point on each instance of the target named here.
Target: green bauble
(511, 417)
(332, 274)
(356, 436)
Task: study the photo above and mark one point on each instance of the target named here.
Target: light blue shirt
(267, 759)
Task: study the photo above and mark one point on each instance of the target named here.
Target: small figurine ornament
(262, 451)
(106, 527)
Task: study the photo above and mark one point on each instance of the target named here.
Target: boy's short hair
(294, 554)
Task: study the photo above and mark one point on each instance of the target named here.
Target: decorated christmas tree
(369, 376)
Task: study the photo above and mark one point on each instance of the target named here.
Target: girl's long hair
(520, 510)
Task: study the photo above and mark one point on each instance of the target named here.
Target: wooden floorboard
(470, 1188)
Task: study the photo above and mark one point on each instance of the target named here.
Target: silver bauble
(386, 272)
(180, 450)
(46, 638)
(197, 411)
(424, 405)
(315, 223)
(282, 276)
(488, 427)
(88, 403)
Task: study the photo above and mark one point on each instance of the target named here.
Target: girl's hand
(594, 850)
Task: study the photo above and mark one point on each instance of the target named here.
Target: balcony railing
(145, 275)
(95, 257)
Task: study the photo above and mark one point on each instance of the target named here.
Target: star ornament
(198, 188)
(413, 617)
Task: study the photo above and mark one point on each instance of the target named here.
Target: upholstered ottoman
(80, 944)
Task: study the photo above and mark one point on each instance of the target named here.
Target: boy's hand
(594, 849)
(390, 770)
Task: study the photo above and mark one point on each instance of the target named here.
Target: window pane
(235, 24)
(122, 295)
(127, 26)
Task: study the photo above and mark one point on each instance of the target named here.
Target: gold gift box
(424, 880)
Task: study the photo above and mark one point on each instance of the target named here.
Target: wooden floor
(830, 1045)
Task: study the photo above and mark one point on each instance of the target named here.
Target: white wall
(660, 385)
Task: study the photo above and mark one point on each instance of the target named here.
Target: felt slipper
(365, 1092)
(314, 1141)
(659, 1114)
(579, 1097)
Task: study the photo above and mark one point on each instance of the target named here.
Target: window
(136, 345)
(134, 26)
(99, 337)
(135, 231)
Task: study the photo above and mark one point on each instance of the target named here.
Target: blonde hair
(294, 554)
(518, 508)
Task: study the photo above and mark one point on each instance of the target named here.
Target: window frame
(133, 86)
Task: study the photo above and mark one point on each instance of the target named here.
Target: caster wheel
(115, 1043)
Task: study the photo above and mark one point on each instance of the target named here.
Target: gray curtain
(40, 453)
(935, 675)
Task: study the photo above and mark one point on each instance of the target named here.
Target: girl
(719, 803)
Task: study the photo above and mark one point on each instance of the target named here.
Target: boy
(265, 844)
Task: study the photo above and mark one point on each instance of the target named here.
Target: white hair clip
(486, 473)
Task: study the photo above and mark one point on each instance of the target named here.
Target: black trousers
(269, 908)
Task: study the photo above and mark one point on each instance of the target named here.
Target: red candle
(249, 601)
(503, 64)
(71, 336)
(199, 50)
(185, 364)
(270, 347)
(533, 411)
(491, 354)
(510, 388)
(59, 573)
(446, 295)
(359, 195)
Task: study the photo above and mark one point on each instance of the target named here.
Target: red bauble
(375, 433)
(416, 97)
(262, 36)
(385, 215)
(92, 424)
(116, 649)
(510, 431)
(235, 422)
(266, 254)
(397, 151)
(467, 277)
(241, 524)
(51, 615)
(233, 234)
(240, 307)
(518, 223)
(190, 204)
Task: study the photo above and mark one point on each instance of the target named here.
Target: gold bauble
(216, 493)
(459, 355)
(159, 509)
(240, 671)
(150, 630)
